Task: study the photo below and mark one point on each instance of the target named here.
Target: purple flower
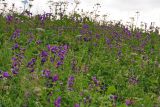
(44, 54)
(14, 71)
(76, 105)
(14, 59)
(54, 49)
(85, 26)
(61, 57)
(15, 46)
(70, 82)
(85, 39)
(138, 35)
(108, 41)
(33, 60)
(31, 63)
(14, 64)
(129, 102)
(65, 47)
(95, 81)
(9, 18)
(55, 78)
(59, 63)
(6, 74)
(49, 47)
(46, 73)
(32, 70)
(97, 36)
(43, 60)
(15, 34)
(57, 102)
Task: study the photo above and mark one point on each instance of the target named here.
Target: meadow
(75, 61)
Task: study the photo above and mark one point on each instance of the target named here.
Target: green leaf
(111, 90)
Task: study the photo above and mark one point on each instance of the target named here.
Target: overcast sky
(116, 9)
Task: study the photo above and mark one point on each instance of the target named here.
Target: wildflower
(46, 73)
(31, 63)
(138, 35)
(65, 47)
(49, 47)
(97, 36)
(9, 18)
(43, 60)
(59, 63)
(54, 49)
(15, 46)
(108, 41)
(129, 102)
(15, 34)
(33, 60)
(55, 78)
(57, 102)
(6, 74)
(70, 82)
(76, 105)
(44, 54)
(14, 70)
(96, 82)
(85, 26)
(32, 70)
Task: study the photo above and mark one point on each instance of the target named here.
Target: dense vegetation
(76, 62)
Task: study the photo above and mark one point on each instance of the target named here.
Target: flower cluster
(59, 53)
(57, 102)
(15, 65)
(9, 19)
(96, 82)
(129, 102)
(5, 74)
(43, 55)
(76, 105)
(127, 32)
(46, 73)
(16, 46)
(55, 78)
(108, 42)
(70, 82)
(16, 34)
(31, 64)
